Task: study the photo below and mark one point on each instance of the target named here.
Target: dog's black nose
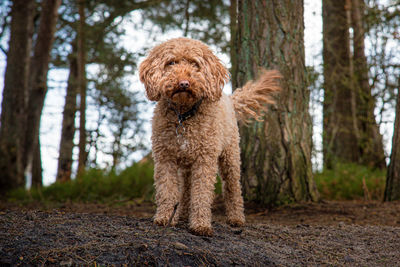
(184, 84)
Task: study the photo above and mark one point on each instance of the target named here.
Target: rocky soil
(330, 233)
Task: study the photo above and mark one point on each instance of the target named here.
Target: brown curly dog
(195, 132)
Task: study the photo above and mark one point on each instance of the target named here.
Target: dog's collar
(184, 116)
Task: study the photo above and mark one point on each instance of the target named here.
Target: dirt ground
(309, 234)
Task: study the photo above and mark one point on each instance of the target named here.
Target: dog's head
(183, 70)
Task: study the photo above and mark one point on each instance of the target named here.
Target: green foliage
(204, 20)
(218, 186)
(97, 186)
(345, 182)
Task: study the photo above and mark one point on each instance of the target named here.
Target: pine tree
(351, 133)
(392, 190)
(340, 131)
(38, 84)
(276, 153)
(15, 93)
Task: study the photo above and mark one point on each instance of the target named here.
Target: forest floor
(310, 234)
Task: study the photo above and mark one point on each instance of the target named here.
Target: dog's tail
(249, 101)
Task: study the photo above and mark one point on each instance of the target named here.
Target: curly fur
(249, 101)
(186, 163)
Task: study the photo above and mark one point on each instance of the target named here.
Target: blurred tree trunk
(64, 169)
(370, 140)
(117, 148)
(82, 87)
(275, 153)
(38, 80)
(15, 93)
(233, 27)
(340, 129)
(392, 190)
(37, 170)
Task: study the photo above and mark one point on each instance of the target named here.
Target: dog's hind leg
(229, 170)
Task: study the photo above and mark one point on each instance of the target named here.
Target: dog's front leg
(167, 191)
(184, 184)
(204, 172)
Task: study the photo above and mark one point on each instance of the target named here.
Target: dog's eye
(171, 63)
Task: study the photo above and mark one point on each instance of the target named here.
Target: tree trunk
(370, 140)
(340, 131)
(233, 12)
(275, 153)
(392, 191)
(37, 170)
(13, 110)
(117, 145)
(82, 88)
(38, 78)
(68, 124)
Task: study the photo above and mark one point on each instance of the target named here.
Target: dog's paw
(201, 230)
(235, 222)
(161, 221)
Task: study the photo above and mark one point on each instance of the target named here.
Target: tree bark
(38, 79)
(370, 140)
(233, 13)
(340, 131)
(82, 88)
(68, 124)
(392, 190)
(276, 153)
(37, 169)
(15, 93)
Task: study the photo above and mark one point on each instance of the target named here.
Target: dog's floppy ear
(149, 75)
(216, 74)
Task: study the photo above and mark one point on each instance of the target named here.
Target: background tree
(392, 190)
(118, 108)
(43, 35)
(113, 63)
(38, 86)
(370, 141)
(204, 20)
(66, 147)
(382, 27)
(82, 86)
(15, 93)
(340, 129)
(351, 132)
(276, 153)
